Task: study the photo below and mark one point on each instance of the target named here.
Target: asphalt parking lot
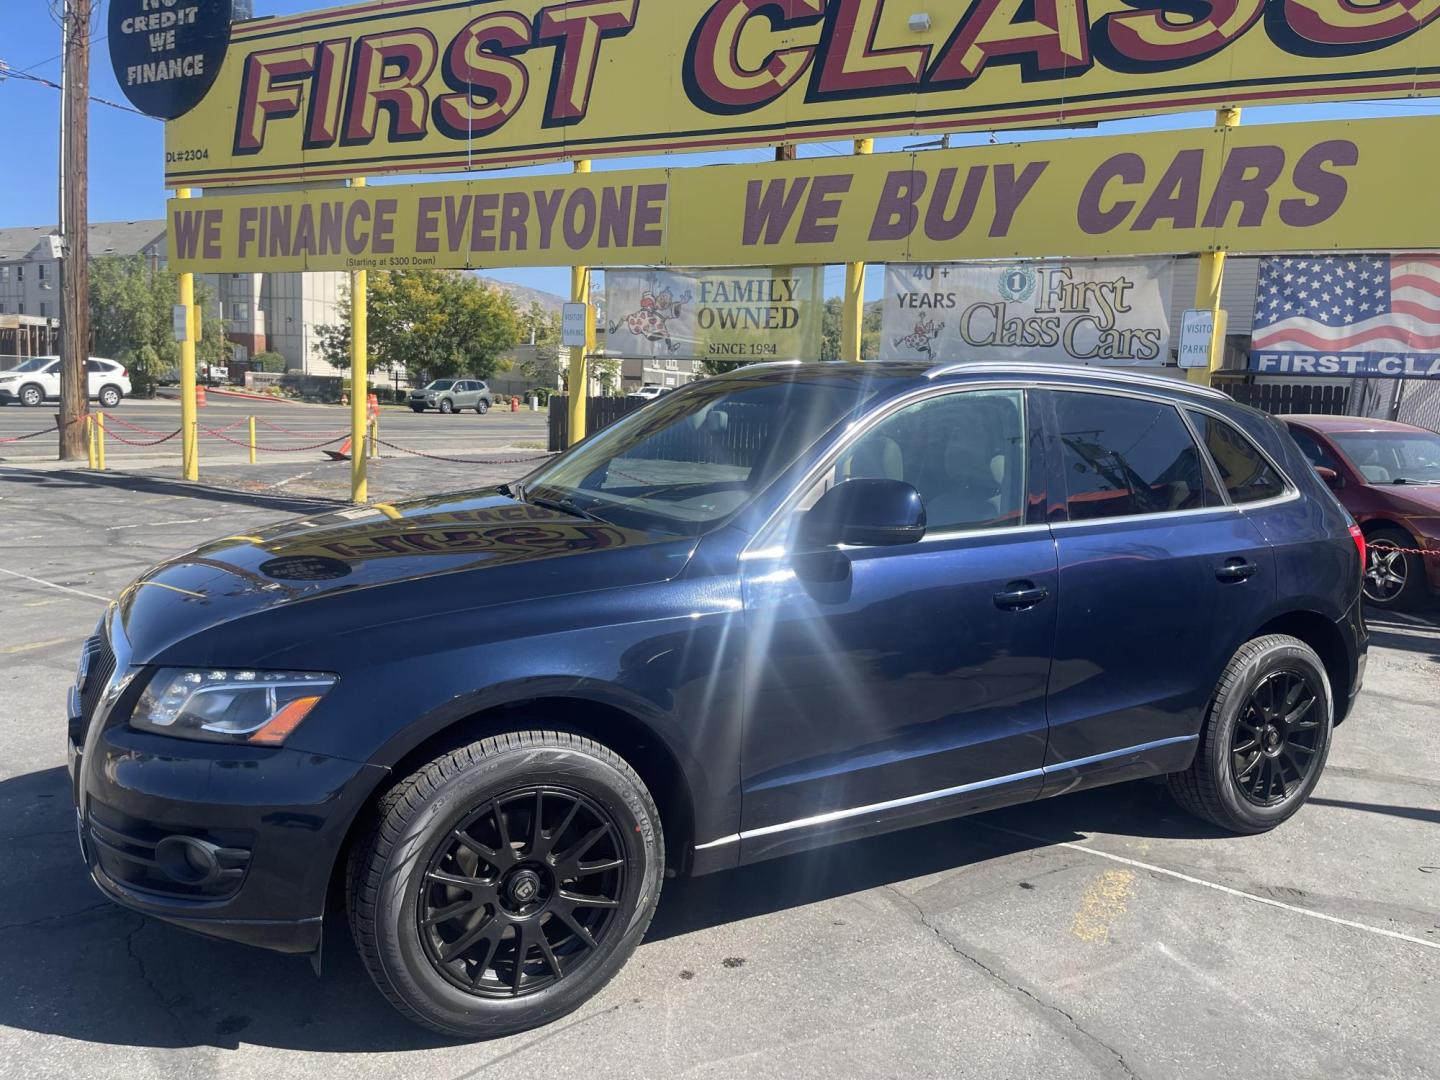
(1102, 934)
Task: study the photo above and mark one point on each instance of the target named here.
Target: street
(1103, 934)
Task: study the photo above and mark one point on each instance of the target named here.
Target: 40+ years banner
(747, 314)
(1106, 312)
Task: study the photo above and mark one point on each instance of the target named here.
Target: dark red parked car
(1388, 476)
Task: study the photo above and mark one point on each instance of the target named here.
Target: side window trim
(1207, 460)
(1291, 489)
(764, 544)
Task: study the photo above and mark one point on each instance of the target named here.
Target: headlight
(257, 707)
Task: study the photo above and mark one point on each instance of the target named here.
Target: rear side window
(1247, 476)
(1125, 456)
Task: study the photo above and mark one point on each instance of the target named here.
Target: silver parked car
(452, 395)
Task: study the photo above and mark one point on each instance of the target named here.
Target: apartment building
(263, 312)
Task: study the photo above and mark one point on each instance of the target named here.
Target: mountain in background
(524, 295)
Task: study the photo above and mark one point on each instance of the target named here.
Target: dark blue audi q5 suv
(782, 608)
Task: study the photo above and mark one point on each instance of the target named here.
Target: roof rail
(1112, 374)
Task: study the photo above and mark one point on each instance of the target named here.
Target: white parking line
(52, 585)
(1240, 893)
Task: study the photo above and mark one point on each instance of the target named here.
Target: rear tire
(1393, 580)
(110, 397)
(482, 407)
(475, 932)
(1265, 738)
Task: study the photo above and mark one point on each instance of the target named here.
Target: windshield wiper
(1412, 480)
(565, 506)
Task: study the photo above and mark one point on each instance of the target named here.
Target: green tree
(541, 328)
(131, 303)
(430, 323)
(832, 327)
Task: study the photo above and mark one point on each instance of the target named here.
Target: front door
(1161, 578)
(897, 684)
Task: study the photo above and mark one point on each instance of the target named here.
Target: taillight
(1359, 538)
(124, 373)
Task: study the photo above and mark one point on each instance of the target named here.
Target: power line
(8, 72)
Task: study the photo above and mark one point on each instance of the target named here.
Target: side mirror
(865, 513)
(1330, 476)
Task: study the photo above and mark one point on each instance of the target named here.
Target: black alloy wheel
(523, 893)
(1276, 740)
(1264, 740)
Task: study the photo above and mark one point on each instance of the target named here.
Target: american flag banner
(1354, 315)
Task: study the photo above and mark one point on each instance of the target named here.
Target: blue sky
(126, 149)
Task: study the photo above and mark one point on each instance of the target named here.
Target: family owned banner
(1105, 312)
(746, 314)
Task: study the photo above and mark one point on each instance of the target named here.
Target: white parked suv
(38, 380)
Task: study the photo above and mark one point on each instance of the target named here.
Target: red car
(1388, 476)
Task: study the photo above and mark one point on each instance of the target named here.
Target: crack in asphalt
(26, 924)
(168, 1004)
(995, 976)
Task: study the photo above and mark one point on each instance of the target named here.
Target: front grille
(100, 666)
(97, 666)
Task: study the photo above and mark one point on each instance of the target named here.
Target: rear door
(1161, 579)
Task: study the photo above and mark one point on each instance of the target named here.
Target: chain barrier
(32, 435)
(153, 442)
(464, 461)
(302, 434)
(273, 449)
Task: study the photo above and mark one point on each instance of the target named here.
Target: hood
(390, 563)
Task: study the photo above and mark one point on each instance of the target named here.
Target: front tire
(1394, 581)
(1265, 739)
(31, 396)
(504, 884)
(447, 406)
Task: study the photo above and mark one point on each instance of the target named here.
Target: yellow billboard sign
(1363, 185)
(407, 86)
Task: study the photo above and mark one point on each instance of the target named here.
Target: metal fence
(1411, 401)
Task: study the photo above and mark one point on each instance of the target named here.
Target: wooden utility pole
(75, 226)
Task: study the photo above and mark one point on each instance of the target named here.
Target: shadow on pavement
(152, 485)
(75, 965)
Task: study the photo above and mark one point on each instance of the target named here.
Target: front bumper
(233, 842)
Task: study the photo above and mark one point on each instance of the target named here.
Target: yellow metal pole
(189, 433)
(579, 384)
(100, 441)
(90, 439)
(359, 380)
(252, 440)
(853, 324)
(1210, 277)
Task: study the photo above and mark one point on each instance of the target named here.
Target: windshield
(1392, 457)
(441, 384)
(698, 455)
(35, 363)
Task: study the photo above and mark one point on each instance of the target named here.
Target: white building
(263, 312)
